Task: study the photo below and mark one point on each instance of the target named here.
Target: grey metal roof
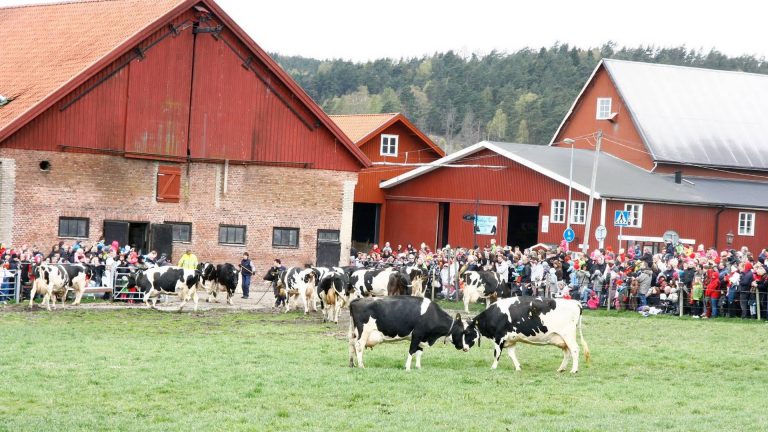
(696, 116)
(616, 178)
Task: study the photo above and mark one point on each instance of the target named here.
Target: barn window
(635, 215)
(285, 237)
(73, 227)
(389, 145)
(578, 212)
(557, 214)
(746, 224)
(168, 183)
(603, 108)
(182, 231)
(232, 234)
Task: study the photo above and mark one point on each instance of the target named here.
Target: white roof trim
(474, 149)
(575, 101)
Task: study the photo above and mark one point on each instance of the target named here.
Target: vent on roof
(678, 177)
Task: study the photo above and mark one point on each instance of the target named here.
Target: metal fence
(10, 285)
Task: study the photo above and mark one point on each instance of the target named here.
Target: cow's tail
(585, 347)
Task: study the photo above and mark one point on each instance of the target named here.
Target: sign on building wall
(486, 225)
(545, 224)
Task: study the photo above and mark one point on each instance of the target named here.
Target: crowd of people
(711, 283)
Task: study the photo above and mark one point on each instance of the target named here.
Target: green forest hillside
(458, 100)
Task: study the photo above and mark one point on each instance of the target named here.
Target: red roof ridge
(364, 115)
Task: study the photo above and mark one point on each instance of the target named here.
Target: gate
(10, 285)
(119, 282)
(328, 248)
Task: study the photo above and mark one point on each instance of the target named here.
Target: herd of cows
(385, 304)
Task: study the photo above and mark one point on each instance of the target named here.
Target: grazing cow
(56, 279)
(167, 280)
(296, 282)
(483, 285)
(530, 320)
(390, 319)
(378, 282)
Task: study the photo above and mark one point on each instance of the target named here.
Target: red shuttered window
(168, 183)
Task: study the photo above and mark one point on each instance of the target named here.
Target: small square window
(557, 213)
(389, 145)
(328, 236)
(746, 224)
(578, 212)
(285, 237)
(232, 234)
(182, 231)
(603, 108)
(73, 227)
(635, 215)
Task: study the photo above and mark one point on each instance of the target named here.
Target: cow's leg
(566, 357)
(184, 297)
(79, 290)
(573, 348)
(466, 301)
(498, 346)
(304, 301)
(230, 295)
(336, 311)
(352, 339)
(32, 295)
(512, 352)
(418, 358)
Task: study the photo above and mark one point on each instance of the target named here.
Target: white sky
(362, 30)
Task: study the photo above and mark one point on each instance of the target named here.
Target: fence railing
(10, 285)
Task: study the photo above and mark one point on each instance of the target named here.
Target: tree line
(460, 100)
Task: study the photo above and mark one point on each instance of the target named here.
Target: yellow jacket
(188, 261)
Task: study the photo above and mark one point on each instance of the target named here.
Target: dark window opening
(285, 237)
(73, 227)
(232, 234)
(182, 231)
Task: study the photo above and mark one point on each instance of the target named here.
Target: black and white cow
(413, 279)
(57, 279)
(390, 319)
(379, 282)
(486, 285)
(530, 320)
(222, 277)
(297, 283)
(168, 280)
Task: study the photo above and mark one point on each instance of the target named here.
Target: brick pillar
(346, 220)
(7, 196)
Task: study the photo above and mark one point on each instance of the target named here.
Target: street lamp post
(570, 183)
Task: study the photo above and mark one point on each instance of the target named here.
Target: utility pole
(588, 226)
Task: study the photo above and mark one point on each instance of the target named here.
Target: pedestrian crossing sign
(621, 218)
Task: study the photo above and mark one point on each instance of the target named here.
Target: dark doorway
(444, 213)
(135, 234)
(523, 228)
(162, 239)
(365, 222)
(328, 248)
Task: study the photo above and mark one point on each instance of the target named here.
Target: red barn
(145, 121)
(394, 145)
(682, 150)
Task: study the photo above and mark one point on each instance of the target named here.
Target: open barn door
(161, 239)
(116, 230)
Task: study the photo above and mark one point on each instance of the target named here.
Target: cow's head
(207, 270)
(131, 279)
(272, 274)
(464, 334)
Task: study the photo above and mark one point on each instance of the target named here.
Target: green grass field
(136, 369)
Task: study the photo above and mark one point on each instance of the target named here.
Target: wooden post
(680, 292)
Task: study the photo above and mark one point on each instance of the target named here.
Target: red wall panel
(411, 222)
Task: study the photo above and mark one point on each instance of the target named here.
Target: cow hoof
(574, 372)
(561, 370)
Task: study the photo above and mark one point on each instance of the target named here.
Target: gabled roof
(50, 49)
(694, 116)
(362, 127)
(616, 178)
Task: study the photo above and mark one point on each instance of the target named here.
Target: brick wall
(7, 185)
(103, 187)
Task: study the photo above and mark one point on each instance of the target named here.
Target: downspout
(717, 224)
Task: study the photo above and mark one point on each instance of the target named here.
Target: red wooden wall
(149, 107)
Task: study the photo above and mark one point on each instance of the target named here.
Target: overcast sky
(362, 30)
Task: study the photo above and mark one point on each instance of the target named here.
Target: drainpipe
(717, 225)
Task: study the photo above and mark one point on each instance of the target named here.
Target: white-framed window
(746, 224)
(389, 145)
(557, 213)
(635, 215)
(603, 108)
(578, 212)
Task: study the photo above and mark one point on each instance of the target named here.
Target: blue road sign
(569, 235)
(621, 218)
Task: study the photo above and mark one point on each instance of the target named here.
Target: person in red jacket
(712, 291)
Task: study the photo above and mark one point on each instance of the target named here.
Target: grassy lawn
(152, 371)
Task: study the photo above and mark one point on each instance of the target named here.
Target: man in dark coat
(246, 270)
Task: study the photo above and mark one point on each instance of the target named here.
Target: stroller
(668, 300)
